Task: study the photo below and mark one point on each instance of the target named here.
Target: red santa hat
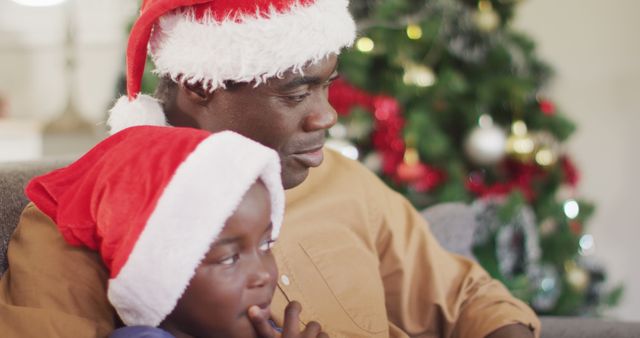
(213, 41)
(151, 200)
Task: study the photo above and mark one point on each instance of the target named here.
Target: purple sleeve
(140, 332)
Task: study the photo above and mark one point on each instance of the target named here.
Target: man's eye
(297, 98)
(229, 260)
(267, 245)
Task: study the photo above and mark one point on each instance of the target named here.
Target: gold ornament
(410, 170)
(365, 44)
(414, 32)
(411, 156)
(486, 18)
(577, 277)
(418, 75)
(547, 149)
(520, 144)
(545, 157)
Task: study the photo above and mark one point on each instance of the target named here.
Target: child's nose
(260, 275)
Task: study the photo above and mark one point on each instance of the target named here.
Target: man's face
(238, 271)
(289, 114)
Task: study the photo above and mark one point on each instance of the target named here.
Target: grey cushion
(13, 179)
(571, 327)
(453, 225)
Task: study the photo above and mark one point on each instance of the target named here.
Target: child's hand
(291, 328)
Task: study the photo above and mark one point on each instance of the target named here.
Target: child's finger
(260, 320)
(312, 330)
(291, 326)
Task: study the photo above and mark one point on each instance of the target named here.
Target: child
(184, 220)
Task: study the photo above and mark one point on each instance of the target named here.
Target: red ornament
(409, 173)
(575, 227)
(387, 137)
(547, 107)
(520, 176)
(419, 176)
(571, 174)
(430, 179)
(344, 97)
(390, 162)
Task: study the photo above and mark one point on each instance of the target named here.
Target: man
(355, 254)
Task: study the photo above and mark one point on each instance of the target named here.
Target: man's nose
(321, 117)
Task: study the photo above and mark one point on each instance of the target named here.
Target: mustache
(308, 144)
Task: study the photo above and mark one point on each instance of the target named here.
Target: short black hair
(166, 90)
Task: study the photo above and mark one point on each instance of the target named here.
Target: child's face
(239, 271)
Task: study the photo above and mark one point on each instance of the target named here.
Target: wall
(32, 56)
(595, 48)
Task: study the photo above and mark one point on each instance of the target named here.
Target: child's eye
(267, 245)
(229, 260)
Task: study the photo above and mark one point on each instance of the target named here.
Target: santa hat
(151, 200)
(213, 41)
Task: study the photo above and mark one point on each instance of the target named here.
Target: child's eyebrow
(230, 240)
(224, 241)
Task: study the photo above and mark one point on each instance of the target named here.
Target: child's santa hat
(213, 41)
(151, 200)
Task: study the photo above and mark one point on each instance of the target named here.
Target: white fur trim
(175, 239)
(144, 110)
(249, 48)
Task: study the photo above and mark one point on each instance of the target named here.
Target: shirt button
(285, 280)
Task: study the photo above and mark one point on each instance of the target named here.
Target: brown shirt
(355, 254)
(363, 263)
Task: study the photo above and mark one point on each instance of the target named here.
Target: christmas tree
(446, 102)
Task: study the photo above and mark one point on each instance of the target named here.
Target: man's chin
(293, 178)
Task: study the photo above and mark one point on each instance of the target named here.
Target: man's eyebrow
(308, 80)
(300, 81)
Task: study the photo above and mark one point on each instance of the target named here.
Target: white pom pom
(143, 111)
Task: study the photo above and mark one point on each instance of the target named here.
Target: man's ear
(195, 93)
(189, 106)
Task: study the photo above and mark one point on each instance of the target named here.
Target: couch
(451, 223)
